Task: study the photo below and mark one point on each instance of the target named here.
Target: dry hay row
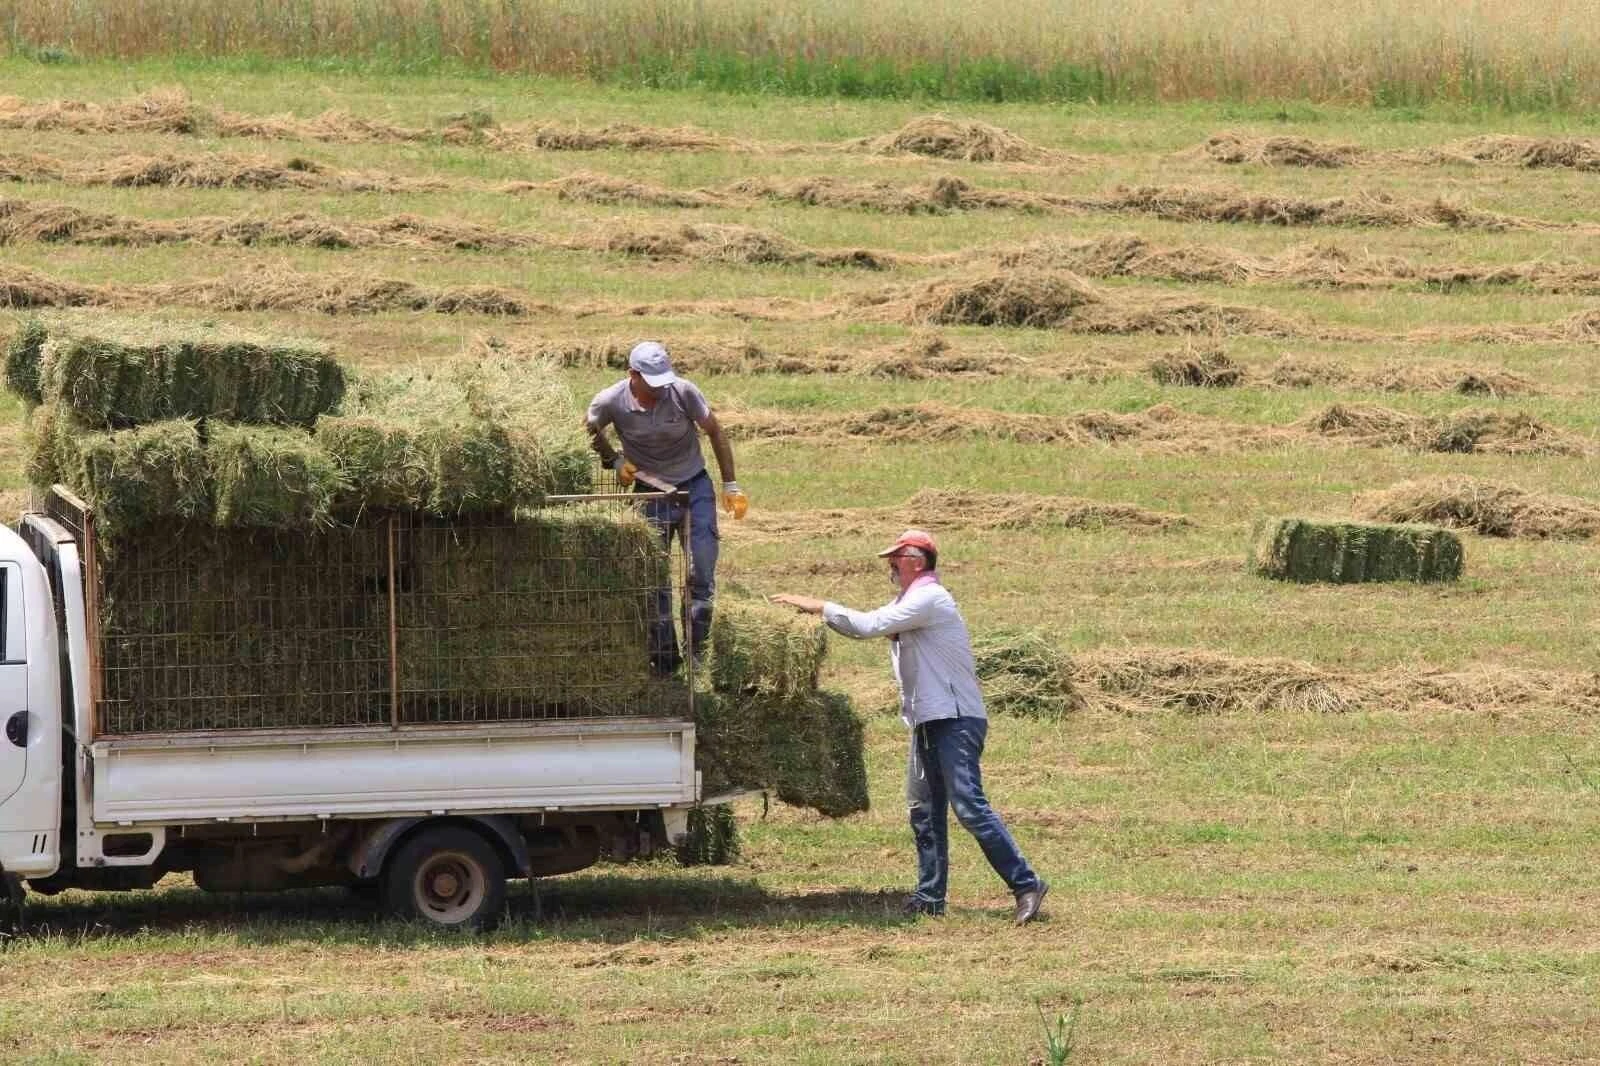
(1165, 429)
(957, 509)
(1492, 508)
(1537, 153)
(1201, 682)
(55, 223)
(938, 196)
(171, 111)
(1112, 255)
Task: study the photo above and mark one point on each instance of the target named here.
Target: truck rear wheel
(449, 877)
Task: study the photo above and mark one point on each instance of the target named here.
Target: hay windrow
(1471, 430)
(1235, 148)
(942, 137)
(1532, 152)
(586, 187)
(1307, 550)
(628, 137)
(1292, 372)
(723, 243)
(1011, 298)
(1494, 509)
(1179, 203)
(1199, 368)
(1025, 672)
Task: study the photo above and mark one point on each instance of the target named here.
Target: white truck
(430, 818)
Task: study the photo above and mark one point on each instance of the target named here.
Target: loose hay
(1015, 298)
(945, 138)
(1025, 672)
(1493, 509)
(759, 649)
(117, 373)
(1303, 550)
(1234, 148)
(1200, 682)
(1463, 431)
(1206, 368)
(962, 508)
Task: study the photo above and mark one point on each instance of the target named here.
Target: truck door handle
(17, 729)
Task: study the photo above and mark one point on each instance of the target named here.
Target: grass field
(1409, 879)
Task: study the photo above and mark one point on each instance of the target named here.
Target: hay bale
(1304, 550)
(1207, 368)
(117, 373)
(131, 477)
(483, 437)
(547, 614)
(1026, 673)
(758, 648)
(269, 476)
(23, 355)
(1490, 508)
(712, 838)
(809, 748)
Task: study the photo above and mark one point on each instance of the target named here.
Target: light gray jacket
(929, 649)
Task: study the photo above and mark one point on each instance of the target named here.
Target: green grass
(1394, 885)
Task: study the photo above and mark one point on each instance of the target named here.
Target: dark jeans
(667, 517)
(943, 772)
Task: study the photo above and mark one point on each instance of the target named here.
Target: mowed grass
(1391, 885)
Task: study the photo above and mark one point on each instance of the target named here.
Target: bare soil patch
(1492, 508)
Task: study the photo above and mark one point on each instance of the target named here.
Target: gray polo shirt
(665, 440)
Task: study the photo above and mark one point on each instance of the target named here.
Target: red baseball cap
(912, 538)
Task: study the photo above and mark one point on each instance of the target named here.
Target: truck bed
(328, 773)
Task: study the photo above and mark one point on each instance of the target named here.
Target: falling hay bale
(1026, 673)
(1304, 550)
(809, 748)
(1208, 368)
(118, 373)
(712, 837)
(762, 649)
(1016, 298)
(270, 477)
(946, 138)
(23, 355)
(1490, 508)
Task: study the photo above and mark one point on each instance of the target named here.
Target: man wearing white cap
(658, 416)
(931, 653)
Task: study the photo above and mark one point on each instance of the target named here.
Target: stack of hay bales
(1300, 549)
(765, 723)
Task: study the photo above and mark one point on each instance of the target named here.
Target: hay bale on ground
(268, 476)
(1207, 368)
(1491, 508)
(809, 748)
(117, 373)
(1304, 550)
(23, 355)
(758, 648)
(548, 614)
(1024, 672)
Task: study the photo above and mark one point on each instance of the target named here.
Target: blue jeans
(943, 772)
(667, 517)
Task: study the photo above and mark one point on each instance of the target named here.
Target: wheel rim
(449, 887)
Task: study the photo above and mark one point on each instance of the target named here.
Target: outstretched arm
(909, 612)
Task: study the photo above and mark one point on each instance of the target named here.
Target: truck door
(13, 683)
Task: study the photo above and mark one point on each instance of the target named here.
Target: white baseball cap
(650, 359)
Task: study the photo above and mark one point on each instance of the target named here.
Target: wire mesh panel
(400, 619)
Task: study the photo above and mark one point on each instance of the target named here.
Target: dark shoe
(1029, 901)
(915, 906)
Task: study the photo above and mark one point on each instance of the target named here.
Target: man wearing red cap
(931, 653)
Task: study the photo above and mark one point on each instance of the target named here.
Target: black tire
(448, 877)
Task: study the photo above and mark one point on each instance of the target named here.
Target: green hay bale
(478, 438)
(809, 748)
(130, 477)
(712, 839)
(1298, 549)
(548, 615)
(208, 629)
(1023, 672)
(270, 476)
(23, 354)
(758, 648)
(114, 374)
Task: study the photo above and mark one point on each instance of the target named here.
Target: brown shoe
(1029, 901)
